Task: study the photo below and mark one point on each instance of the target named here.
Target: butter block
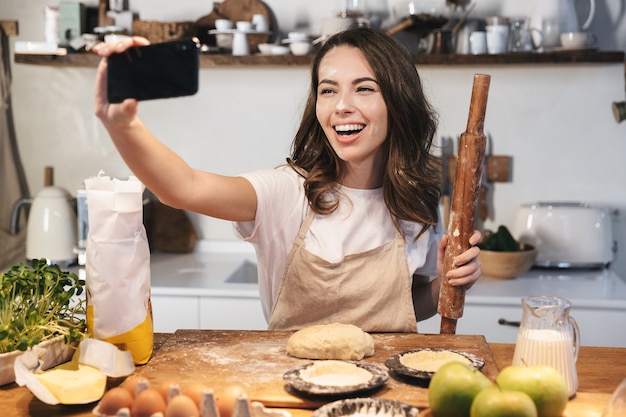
(73, 383)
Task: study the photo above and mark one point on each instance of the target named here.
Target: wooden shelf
(223, 60)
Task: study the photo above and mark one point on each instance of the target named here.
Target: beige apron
(371, 289)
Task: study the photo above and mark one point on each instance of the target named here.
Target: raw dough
(335, 373)
(331, 341)
(431, 360)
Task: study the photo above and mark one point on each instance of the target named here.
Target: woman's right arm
(160, 169)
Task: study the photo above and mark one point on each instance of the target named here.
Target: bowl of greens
(501, 256)
(39, 305)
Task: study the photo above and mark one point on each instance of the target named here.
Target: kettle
(569, 18)
(51, 227)
(554, 17)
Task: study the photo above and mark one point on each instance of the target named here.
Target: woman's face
(351, 110)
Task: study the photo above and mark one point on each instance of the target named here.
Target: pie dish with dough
(421, 364)
(333, 377)
(364, 407)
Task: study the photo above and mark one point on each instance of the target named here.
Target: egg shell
(147, 403)
(168, 388)
(182, 406)
(113, 400)
(226, 399)
(130, 384)
(195, 392)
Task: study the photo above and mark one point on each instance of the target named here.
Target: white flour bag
(118, 266)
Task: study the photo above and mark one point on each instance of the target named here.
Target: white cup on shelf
(478, 42)
(497, 37)
(244, 26)
(260, 23)
(223, 24)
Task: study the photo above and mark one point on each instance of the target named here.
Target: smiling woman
(355, 207)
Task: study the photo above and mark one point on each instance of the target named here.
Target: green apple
(544, 384)
(453, 388)
(494, 402)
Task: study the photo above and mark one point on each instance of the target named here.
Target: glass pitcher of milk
(549, 336)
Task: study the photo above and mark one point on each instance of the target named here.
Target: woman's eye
(365, 89)
(325, 91)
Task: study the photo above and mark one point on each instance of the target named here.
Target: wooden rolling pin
(469, 169)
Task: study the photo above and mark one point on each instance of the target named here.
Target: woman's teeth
(348, 129)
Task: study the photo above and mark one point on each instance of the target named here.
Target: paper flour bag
(118, 266)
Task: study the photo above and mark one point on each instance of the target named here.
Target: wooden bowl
(507, 265)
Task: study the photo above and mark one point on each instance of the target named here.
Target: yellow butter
(73, 383)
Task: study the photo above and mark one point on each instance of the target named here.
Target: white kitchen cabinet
(231, 313)
(598, 326)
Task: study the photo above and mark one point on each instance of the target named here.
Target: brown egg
(130, 384)
(114, 400)
(226, 399)
(182, 406)
(164, 388)
(195, 392)
(148, 402)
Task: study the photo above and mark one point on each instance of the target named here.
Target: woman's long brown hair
(411, 176)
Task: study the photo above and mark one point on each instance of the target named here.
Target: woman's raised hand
(121, 114)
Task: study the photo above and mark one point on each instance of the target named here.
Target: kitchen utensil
(442, 42)
(478, 42)
(260, 22)
(240, 44)
(51, 227)
(578, 40)
(619, 111)
(467, 181)
(521, 36)
(559, 16)
(569, 17)
(420, 17)
(566, 234)
(497, 30)
(548, 335)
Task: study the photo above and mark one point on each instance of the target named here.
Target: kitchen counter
(600, 288)
(215, 287)
(600, 370)
(215, 268)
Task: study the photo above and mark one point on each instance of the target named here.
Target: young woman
(348, 230)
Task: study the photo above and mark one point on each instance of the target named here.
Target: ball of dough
(331, 341)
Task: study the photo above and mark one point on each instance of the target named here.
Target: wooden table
(600, 370)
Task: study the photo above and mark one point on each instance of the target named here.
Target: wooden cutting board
(257, 360)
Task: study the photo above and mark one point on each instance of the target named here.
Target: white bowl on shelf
(279, 50)
(265, 48)
(300, 48)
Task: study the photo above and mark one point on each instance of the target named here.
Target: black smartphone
(160, 70)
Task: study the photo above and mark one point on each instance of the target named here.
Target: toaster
(566, 234)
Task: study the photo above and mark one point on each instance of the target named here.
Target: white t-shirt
(361, 222)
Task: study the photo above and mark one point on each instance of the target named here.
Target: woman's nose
(344, 104)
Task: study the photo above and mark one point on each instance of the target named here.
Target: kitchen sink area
(213, 287)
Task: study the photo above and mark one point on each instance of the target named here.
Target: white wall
(555, 121)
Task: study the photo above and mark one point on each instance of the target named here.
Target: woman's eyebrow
(356, 81)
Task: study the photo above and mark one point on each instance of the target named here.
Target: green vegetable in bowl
(500, 241)
(36, 304)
